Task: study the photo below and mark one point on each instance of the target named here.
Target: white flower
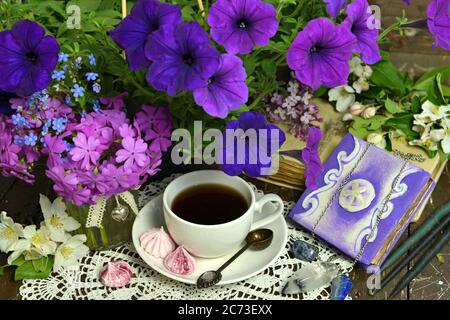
(23, 247)
(70, 252)
(359, 69)
(36, 244)
(356, 66)
(56, 218)
(344, 97)
(398, 134)
(293, 87)
(361, 85)
(369, 113)
(347, 117)
(425, 142)
(445, 143)
(367, 72)
(356, 109)
(432, 112)
(422, 128)
(377, 139)
(280, 112)
(9, 232)
(437, 135)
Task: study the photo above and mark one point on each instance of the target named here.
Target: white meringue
(157, 243)
(180, 262)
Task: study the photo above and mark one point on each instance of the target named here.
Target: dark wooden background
(414, 55)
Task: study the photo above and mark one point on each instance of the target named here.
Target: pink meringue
(180, 262)
(157, 243)
(116, 274)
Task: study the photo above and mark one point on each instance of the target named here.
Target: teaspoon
(258, 239)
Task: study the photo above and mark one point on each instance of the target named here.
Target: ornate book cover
(365, 199)
(291, 169)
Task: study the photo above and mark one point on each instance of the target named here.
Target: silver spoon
(258, 239)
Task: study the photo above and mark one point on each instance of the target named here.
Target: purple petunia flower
(133, 153)
(184, 58)
(311, 158)
(132, 33)
(407, 2)
(335, 6)
(241, 25)
(320, 54)
(5, 105)
(367, 39)
(27, 58)
(255, 136)
(438, 13)
(226, 89)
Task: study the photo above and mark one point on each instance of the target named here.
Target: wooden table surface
(413, 54)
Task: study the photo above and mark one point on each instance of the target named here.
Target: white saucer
(249, 264)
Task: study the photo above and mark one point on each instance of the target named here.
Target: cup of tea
(211, 213)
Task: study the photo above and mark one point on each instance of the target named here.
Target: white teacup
(211, 241)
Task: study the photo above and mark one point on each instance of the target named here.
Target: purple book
(360, 185)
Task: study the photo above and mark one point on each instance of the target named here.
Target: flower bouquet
(91, 150)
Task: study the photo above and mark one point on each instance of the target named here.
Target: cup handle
(263, 220)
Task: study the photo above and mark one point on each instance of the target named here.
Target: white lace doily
(82, 282)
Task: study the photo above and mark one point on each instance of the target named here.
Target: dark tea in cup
(209, 204)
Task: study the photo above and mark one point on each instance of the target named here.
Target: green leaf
(388, 142)
(250, 64)
(435, 93)
(56, 6)
(376, 123)
(2, 271)
(19, 261)
(442, 154)
(28, 271)
(446, 90)
(392, 106)
(86, 5)
(269, 68)
(361, 133)
(40, 265)
(372, 124)
(363, 127)
(416, 105)
(320, 92)
(403, 122)
(386, 75)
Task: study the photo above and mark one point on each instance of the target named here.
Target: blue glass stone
(304, 251)
(340, 287)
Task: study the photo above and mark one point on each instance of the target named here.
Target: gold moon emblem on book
(356, 195)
